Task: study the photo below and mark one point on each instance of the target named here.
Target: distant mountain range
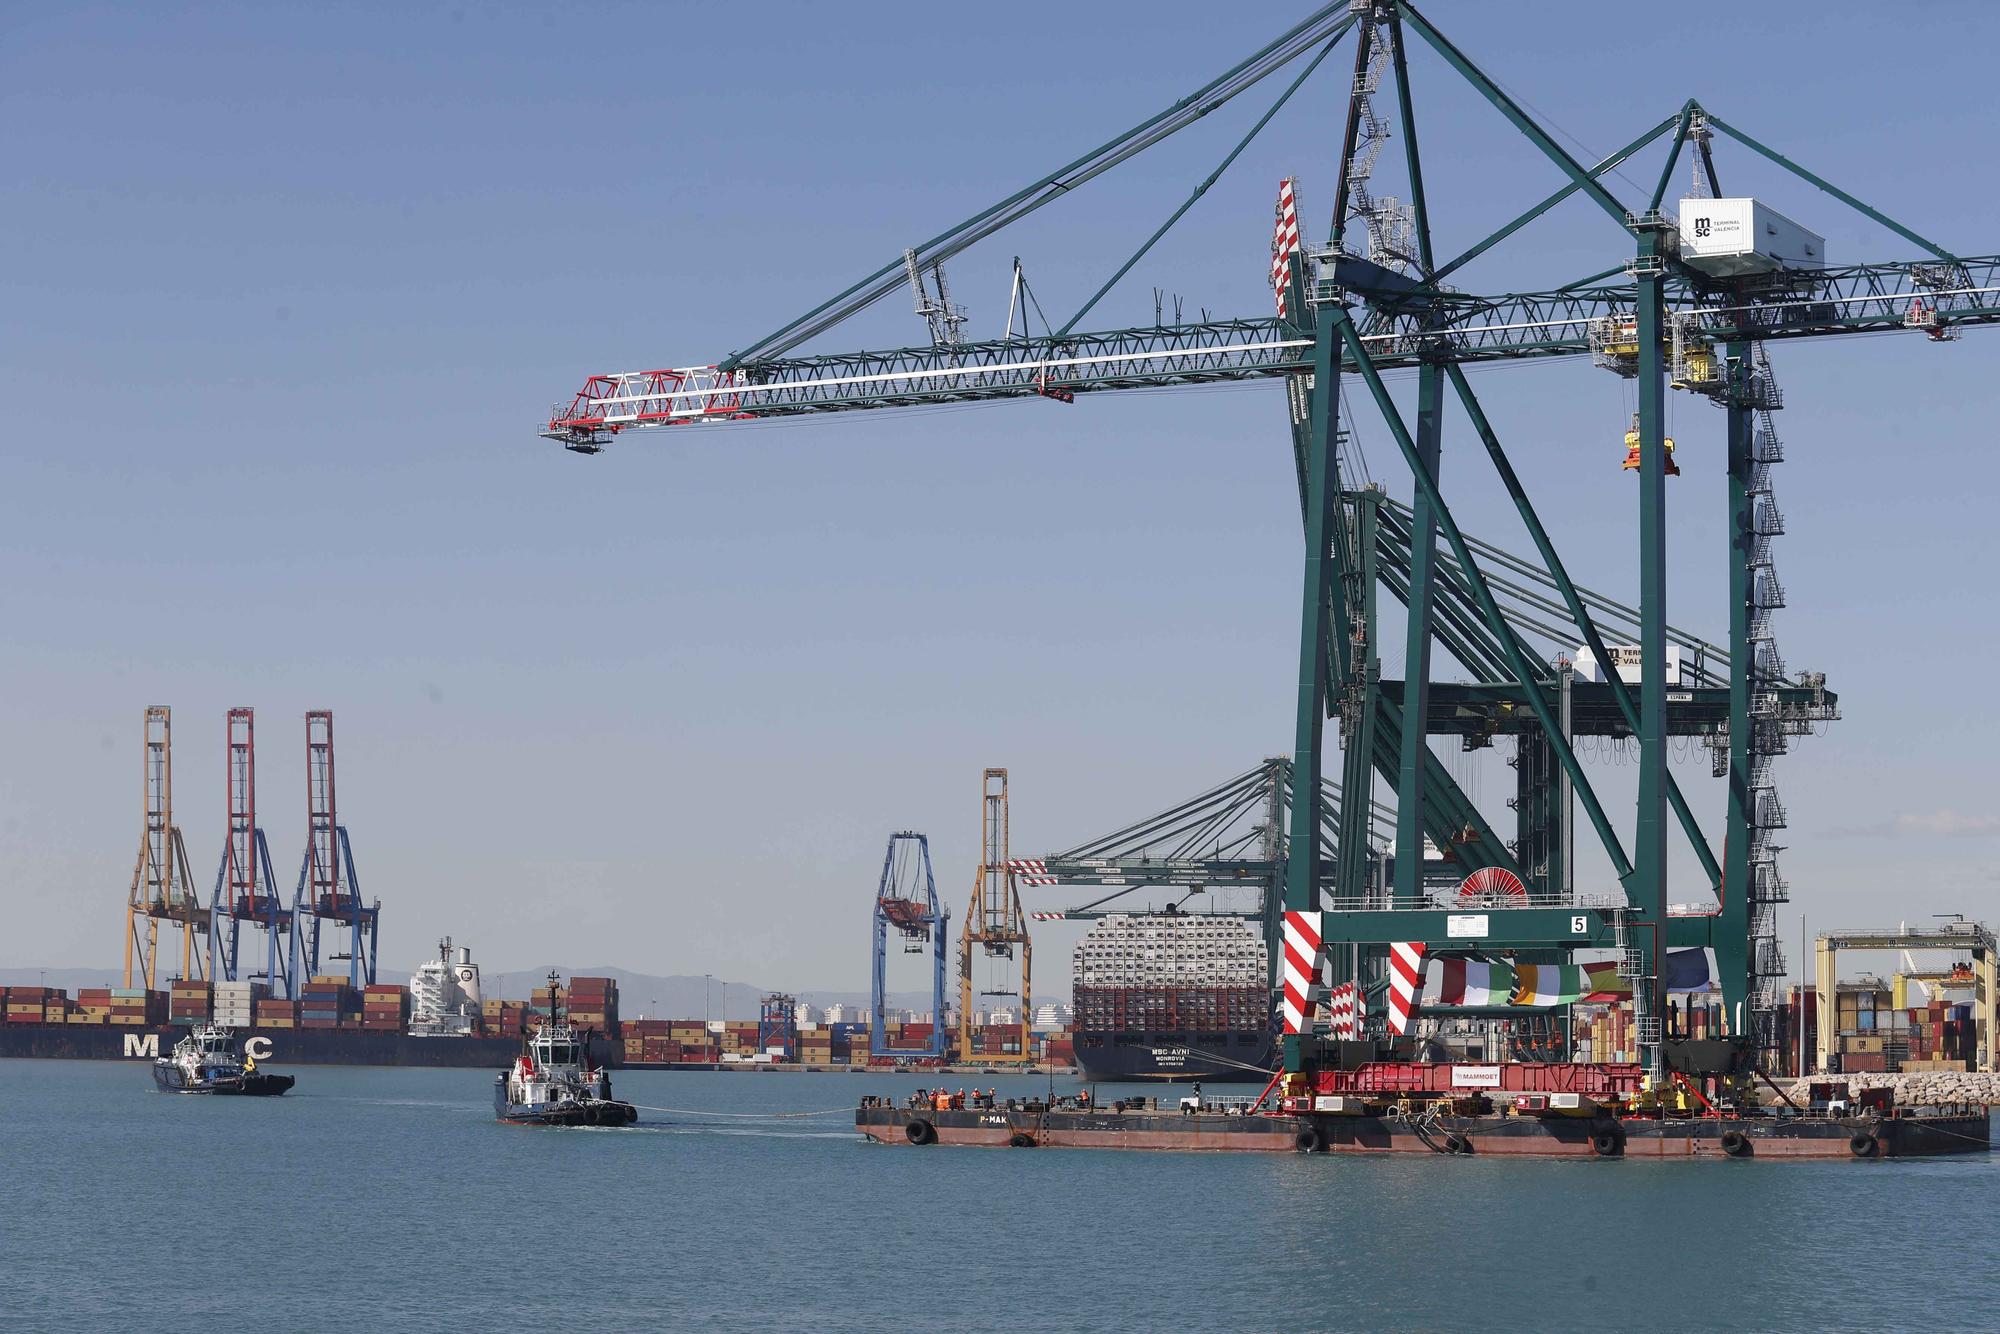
(639, 994)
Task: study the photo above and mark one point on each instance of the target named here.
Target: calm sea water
(388, 1199)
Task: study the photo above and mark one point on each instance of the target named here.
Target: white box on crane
(1630, 664)
(1731, 237)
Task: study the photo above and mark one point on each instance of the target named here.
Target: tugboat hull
(597, 1114)
(173, 1079)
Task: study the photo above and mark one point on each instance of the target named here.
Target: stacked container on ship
(1172, 995)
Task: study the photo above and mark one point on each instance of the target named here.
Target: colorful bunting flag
(1541, 984)
(1468, 982)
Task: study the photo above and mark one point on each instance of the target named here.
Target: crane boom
(1862, 298)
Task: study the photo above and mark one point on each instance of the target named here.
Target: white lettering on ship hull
(142, 1044)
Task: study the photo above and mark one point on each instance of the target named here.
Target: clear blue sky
(287, 289)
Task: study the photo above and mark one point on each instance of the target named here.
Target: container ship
(1173, 996)
(440, 1019)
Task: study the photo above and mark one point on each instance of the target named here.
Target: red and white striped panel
(1032, 870)
(1285, 242)
(1343, 1008)
(1049, 916)
(1406, 980)
(1300, 968)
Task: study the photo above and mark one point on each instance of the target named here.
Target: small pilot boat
(210, 1060)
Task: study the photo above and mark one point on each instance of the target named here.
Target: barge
(1919, 1133)
(1519, 1109)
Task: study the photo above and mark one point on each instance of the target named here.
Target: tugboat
(553, 1084)
(209, 1060)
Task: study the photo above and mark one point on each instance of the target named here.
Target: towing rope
(746, 1116)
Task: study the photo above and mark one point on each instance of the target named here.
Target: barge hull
(1923, 1135)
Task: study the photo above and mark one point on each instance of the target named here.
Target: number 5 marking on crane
(1578, 925)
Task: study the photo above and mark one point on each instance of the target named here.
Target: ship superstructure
(444, 995)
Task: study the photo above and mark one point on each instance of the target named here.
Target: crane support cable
(1505, 105)
(1810, 179)
(1323, 25)
(1203, 188)
(1555, 199)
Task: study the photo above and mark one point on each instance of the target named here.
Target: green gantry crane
(1676, 301)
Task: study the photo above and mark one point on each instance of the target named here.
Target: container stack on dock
(1871, 1036)
(1604, 1033)
(911, 1037)
(1941, 1038)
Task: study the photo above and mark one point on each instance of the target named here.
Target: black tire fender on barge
(1457, 1143)
(920, 1131)
(1021, 1139)
(1864, 1145)
(1607, 1140)
(1310, 1140)
(1735, 1143)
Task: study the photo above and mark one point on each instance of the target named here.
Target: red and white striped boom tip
(1285, 242)
(1406, 982)
(1032, 871)
(1301, 967)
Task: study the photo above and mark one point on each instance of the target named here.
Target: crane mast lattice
(329, 892)
(995, 926)
(162, 886)
(907, 905)
(246, 891)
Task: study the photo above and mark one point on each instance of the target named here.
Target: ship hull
(568, 1114)
(173, 1079)
(1853, 1138)
(1212, 1058)
(593, 1112)
(280, 1046)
